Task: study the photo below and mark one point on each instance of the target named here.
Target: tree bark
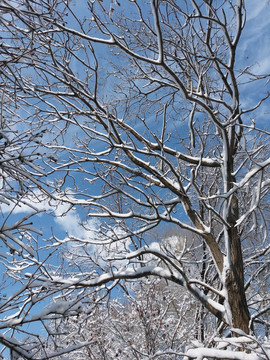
(235, 287)
(235, 275)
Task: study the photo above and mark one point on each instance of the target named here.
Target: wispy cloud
(254, 44)
(66, 217)
(81, 237)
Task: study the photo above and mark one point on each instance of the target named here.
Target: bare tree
(144, 103)
(149, 320)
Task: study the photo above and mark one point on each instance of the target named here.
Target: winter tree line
(141, 128)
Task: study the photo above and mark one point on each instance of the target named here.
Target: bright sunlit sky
(253, 49)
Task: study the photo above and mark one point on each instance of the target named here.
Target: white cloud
(108, 249)
(81, 237)
(263, 67)
(66, 217)
(254, 41)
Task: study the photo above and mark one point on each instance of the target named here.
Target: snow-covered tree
(149, 319)
(154, 115)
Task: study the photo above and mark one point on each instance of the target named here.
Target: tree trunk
(234, 280)
(235, 286)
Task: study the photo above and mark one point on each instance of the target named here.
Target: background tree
(144, 103)
(150, 319)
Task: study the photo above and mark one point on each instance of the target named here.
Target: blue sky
(253, 49)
